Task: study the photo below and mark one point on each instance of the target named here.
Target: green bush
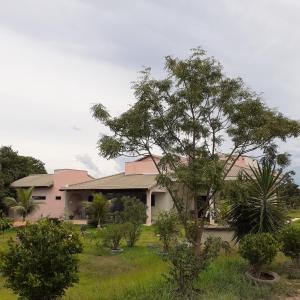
(185, 267)
(166, 226)
(259, 249)
(112, 235)
(5, 223)
(134, 215)
(290, 238)
(42, 263)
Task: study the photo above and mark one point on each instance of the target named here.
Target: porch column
(148, 196)
(212, 211)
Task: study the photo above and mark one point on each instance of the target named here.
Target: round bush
(290, 238)
(259, 249)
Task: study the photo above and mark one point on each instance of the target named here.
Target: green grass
(135, 274)
(294, 213)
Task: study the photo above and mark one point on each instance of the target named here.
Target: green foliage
(112, 235)
(42, 263)
(134, 215)
(189, 114)
(290, 191)
(185, 267)
(290, 239)
(259, 249)
(24, 205)
(13, 167)
(5, 223)
(97, 209)
(255, 204)
(166, 226)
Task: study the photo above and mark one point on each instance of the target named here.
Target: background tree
(256, 205)
(187, 117)
(24, 205)
(98, 208)
(13, 167)
(42, 264)
(134, 215)
(290, 191)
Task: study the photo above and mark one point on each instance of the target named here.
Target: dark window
(152, 200)
(58, 198)
(90, 199)
(39, 197)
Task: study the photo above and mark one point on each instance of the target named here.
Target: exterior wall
(144, 166)
(52, 207)
(163, 202)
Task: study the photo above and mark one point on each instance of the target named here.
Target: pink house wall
(144, 166)
(52, 207)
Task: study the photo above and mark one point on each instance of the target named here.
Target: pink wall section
(144, 166)
(52, 207)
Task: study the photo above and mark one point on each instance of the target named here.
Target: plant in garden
(5, 223)
(112, 235)
(24, 205)
(290, 239)
(259, 249)
(191, 116)
(134, 215)
(166, 226)
(42, 264)
(255, 204)
(97, 209)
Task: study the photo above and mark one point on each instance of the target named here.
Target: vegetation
(166, 227)
(255, 204)
(112, 235)
(13, 167)
(191, 113)
(41, 264)
(290, 191)
(24, 205)
(290, 239)
(134, 215)
(5, 223)
(259, 249)
(97, 209)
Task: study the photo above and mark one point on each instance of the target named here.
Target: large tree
(191, 116)
(13, 167)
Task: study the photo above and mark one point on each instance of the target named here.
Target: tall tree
(13, 167)
(191, 116)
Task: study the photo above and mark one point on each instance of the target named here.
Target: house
(47, 190)
(137, 180)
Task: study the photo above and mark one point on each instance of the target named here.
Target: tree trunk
(98, 225)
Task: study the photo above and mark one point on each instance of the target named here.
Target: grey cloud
(88, 162)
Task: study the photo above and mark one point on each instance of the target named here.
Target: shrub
(259, 249)
(134, 215)
(166, 226)
(112, 235)
(5, 223)
(185, 267)
(42, 263)
(290, 238)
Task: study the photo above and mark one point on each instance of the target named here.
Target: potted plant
(290, 240)
(259, 249)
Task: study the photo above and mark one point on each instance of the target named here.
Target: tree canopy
(191, 116)
(13, 167)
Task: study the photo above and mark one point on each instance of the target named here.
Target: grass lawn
(136, 274)
(294, 213)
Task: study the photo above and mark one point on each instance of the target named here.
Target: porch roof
(37, 180)
(116, 182)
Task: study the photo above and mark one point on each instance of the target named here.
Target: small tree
(255, 202)
(166, 226)
(259, 249)
(112, 235)
(42, 264)
(24, 205)
(5, 223)
(134, 215)
(98, 208)
(290, 238)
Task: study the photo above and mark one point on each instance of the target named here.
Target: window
(152, 200)
(90, 198)
(39, 197)
(58, 198)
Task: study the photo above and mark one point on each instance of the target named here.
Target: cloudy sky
(58, 57)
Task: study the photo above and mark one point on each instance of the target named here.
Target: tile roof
(37, 180)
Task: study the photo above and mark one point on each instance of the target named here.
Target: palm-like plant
(259, 207)
(24, 205)
(98, 208)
